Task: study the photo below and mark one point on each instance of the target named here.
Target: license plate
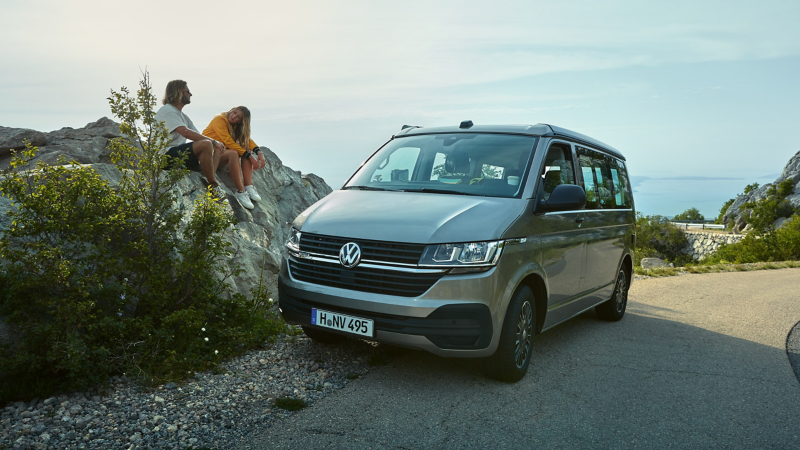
(342, 322)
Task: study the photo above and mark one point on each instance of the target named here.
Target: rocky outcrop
(702, 244)
(259, 235)
(86, 145)
(735, 215)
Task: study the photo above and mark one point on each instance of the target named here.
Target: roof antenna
(466, 124)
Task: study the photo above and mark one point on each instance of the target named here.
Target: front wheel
(614, 308)
(510, 362)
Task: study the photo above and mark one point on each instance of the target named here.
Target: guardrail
(704, 224)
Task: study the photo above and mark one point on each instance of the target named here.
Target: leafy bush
(782, 244)
(721, 217)
(765, 242)
(656, 236)
(99, 280)
(764, 212)
(750, 188)
(689, 214)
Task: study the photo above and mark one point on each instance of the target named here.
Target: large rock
(86, 145)
(735, 215)
(260, 234)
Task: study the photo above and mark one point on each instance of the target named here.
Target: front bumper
(461, 328)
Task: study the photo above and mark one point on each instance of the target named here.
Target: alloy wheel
(524, 334)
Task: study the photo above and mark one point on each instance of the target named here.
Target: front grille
(390, 252)
(377, 281)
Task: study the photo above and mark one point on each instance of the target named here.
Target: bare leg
(231, 158)
(202, 150)
(247, 171)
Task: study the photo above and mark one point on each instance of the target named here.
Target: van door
(561, 236)
(608, 219)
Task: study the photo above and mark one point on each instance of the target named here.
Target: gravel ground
(212, 410)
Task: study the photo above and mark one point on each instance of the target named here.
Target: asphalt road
(698, 361)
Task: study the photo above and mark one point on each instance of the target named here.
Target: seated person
(233, 129)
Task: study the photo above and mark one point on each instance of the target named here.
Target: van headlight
(484, 254)
(294, 240)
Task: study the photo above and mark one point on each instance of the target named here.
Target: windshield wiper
(369, 188)
(439, 191)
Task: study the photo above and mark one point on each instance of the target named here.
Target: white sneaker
(251, 191)
(244, 199)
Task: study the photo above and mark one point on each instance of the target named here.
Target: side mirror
(565, 197)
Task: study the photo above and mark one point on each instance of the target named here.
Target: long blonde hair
(240, 132)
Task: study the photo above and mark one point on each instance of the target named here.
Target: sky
(700, 96)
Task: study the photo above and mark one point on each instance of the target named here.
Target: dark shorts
(191, 163)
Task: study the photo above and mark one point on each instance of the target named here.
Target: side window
(558, 169)
(622, 193)
(599, 180)
(438, 167)
(398, 166)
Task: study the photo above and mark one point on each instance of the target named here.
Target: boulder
(655, 263)
(736, 216)
(86, 145)
(14, 139)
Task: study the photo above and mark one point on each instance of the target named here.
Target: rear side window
(605, 180)
(622, 188)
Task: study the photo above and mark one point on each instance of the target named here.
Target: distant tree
(689, 214)
(750, 187)
(721, 217)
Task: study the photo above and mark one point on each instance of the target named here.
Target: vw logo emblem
(350, 255)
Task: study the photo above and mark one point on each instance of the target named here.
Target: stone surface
(792, 171)
(654, 263)
(210, 410)
(86, 145)
(702, 244)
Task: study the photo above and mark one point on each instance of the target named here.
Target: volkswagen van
(465, 241)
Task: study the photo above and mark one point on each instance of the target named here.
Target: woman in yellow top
(232, 128)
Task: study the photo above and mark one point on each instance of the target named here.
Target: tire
(322, 337)
(513, 356)
(614, 308)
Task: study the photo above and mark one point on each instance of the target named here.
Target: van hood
(412, 217)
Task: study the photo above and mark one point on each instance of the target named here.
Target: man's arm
(195, 136)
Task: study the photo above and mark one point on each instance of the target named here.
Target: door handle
(579, 219)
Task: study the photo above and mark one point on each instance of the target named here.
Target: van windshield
(493, 165)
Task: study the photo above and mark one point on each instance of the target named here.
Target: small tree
(689, 214)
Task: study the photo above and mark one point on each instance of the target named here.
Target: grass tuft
(716, 268)
(289, 404)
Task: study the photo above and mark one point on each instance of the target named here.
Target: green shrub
(764, 212)
(721, 217)
(689, 214)
(764, 242)
(656, 236)
(99, 281)
(782, 244)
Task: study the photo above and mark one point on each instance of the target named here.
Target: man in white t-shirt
(202, 153)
